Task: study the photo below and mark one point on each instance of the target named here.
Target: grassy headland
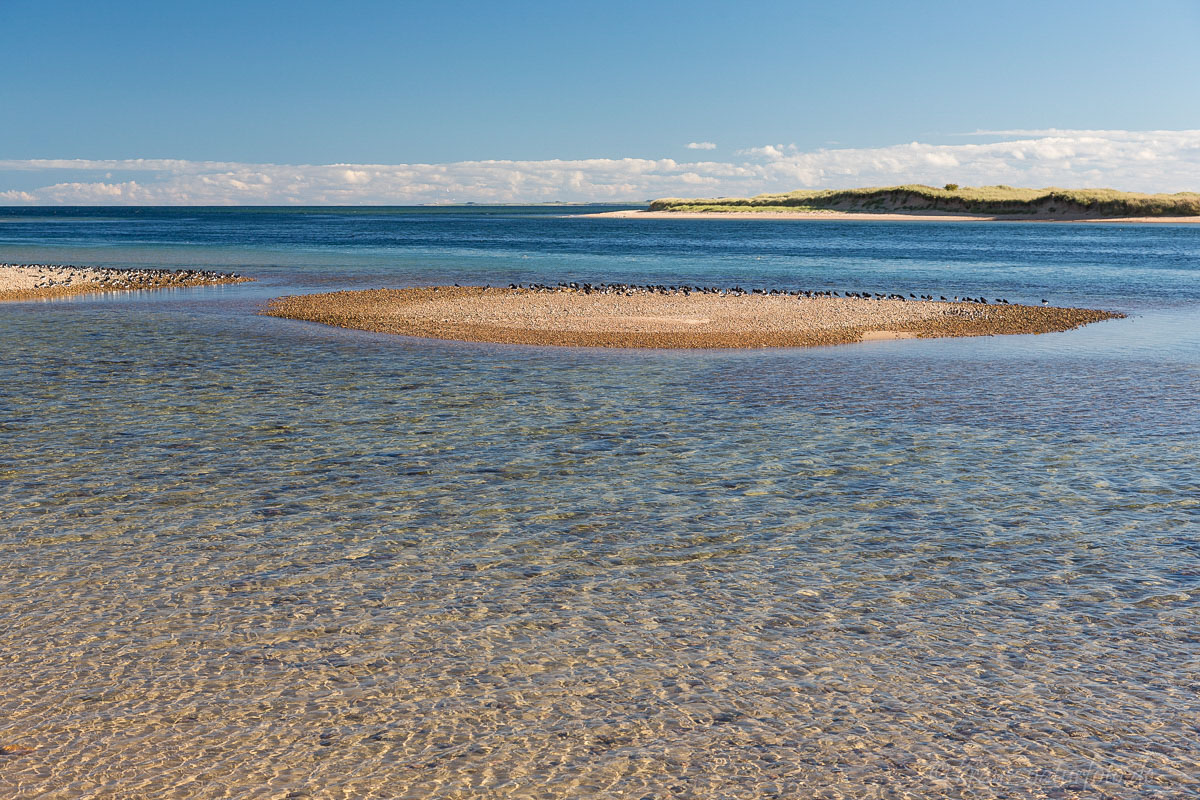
(954, 199)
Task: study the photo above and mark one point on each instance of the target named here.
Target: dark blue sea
(249, 557)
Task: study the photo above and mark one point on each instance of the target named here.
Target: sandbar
(665, 319)
(44, 281)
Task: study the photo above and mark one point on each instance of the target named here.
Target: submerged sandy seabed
(40, 281)
(835, 216)
(670, 320)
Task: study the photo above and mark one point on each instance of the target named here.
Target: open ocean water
(247, 557)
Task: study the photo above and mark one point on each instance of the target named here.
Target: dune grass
(990, 200)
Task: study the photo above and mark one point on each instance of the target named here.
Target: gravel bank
(38, 281)
(676, 319)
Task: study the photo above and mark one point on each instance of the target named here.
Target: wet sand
(576, 318)
(897, 216)
(40, 281)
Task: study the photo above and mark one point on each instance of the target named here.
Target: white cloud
(1166, 161)
(771, 151)
(701, 146)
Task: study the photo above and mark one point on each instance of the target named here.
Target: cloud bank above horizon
(1149, 161)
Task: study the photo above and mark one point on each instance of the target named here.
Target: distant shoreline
(998, 203)
(882, 216)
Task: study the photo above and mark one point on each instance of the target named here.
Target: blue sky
(251, 85)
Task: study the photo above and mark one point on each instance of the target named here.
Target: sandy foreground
(668, 320)
(835, 216)
(35, 282)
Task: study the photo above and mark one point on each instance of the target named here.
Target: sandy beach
(836, 216)
(40, 281)
(664, 319)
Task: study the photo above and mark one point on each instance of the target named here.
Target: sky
(399, 102)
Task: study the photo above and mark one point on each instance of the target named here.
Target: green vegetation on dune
(954, 199)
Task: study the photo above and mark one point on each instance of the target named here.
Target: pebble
(14, 750)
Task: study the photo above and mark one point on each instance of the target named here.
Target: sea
(249, 557)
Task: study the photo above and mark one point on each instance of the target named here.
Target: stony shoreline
(41, 281)
(669, 317)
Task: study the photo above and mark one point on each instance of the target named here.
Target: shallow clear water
(250, 557)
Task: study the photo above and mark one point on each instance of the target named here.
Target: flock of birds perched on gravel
(51, 276)
(630, 289)
(110, 277)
